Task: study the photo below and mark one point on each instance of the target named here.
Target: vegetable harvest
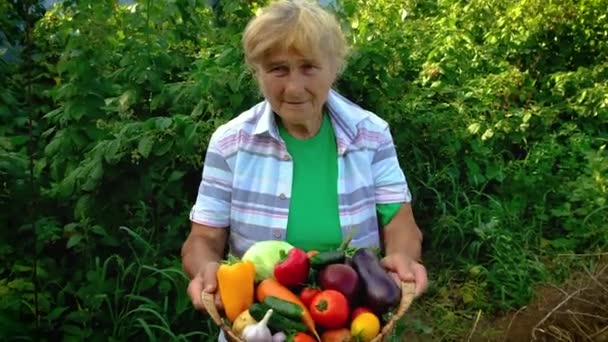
(301, 296)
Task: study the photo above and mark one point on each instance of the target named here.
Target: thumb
(400, 266)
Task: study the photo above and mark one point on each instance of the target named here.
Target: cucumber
(277, 321)
(285, 308)
(325, 258)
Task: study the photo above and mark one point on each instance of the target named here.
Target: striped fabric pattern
(247, 175)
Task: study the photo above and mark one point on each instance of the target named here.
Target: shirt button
(282, 196)
(277, 234)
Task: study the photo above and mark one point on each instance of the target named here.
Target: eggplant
(381, 291)
(341, 278)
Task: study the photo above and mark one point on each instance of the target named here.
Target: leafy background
(499, 110)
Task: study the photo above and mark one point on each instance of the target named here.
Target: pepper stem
(231, 259)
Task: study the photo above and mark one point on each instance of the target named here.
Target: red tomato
(329, 309)
(302, 337)
(359, 310)
(337, 335)
(307, 294)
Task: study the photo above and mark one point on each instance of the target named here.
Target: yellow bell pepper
(236, 285)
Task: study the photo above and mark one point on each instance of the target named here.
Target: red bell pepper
(293, 269)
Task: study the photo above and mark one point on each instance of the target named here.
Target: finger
(421, 279)
(195, 288)
(395, 277)
(400, 265)
(218, 301)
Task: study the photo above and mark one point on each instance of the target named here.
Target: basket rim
(408, 292)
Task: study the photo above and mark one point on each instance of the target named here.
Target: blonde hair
(294, 24)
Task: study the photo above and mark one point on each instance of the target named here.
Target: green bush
(499, 111)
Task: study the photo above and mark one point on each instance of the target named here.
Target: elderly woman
(306, 165)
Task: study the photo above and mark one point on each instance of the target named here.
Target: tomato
(336, 335)
(366, 326)
(359, 310)
(307, 294)
(302, 337)
(329, 309)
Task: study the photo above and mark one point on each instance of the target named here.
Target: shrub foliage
(499, 110)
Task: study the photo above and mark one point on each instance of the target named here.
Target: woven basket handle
(208, 300)
(408, 292)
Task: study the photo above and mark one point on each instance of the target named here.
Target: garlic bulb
(258, 332)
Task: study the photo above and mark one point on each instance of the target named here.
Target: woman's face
(296, 86)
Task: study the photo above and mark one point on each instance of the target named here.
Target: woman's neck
(304, 130)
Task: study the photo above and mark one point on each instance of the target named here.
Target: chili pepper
(293, 270)
(236, 285)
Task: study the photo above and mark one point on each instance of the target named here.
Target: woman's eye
(309, 68)
(278, 69)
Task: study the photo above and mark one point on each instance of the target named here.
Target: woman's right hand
(205, 280)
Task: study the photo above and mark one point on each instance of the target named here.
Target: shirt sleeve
(386, 212)
(390, 185)
(212, 206)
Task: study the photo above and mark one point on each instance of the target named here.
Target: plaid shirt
(247, 175)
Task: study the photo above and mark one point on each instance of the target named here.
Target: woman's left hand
(403, 268)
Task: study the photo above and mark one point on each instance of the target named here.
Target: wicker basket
(407, 296)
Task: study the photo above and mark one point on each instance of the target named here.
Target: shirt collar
(345, 116)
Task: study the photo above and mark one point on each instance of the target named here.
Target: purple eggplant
(381, 291)
(341, 278)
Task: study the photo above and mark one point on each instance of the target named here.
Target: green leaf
(163, 148)
(176, 175)
(94, 176)
(82, 207)
(78, 316)
(198, 109)
(112, 155)
(145, 146)
(56, 313)
(21, 268)
(66, 186)
(126, 100)
(99, 230)
(163, 123)
(474, 128)
(74, 240)
(53, 147)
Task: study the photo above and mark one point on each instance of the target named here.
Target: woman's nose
(294, 84)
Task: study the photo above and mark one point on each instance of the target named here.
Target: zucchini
(277, 321)
(326, 258)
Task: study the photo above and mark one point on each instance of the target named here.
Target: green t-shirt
(314, 220)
